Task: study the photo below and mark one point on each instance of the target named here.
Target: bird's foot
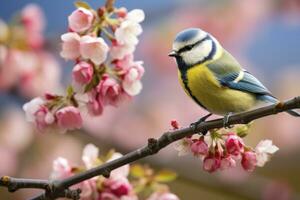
(226, 120)
(197, 123)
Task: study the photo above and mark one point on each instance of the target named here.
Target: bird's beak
(173, 53)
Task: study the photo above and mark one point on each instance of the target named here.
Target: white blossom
(264, 150)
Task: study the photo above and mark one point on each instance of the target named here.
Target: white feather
(198, 53)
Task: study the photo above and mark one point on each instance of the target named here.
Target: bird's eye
(189, 47)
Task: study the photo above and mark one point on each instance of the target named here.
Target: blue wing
(243, 81)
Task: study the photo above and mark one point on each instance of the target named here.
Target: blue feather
(247, 84)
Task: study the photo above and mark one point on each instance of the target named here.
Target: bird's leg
(201, 120)
(226, 120)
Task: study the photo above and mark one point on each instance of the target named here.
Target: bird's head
(193, 46)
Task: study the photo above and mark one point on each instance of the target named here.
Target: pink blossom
(249, 161)
(32, 107)
(95, 103)
(121, 12)
(118, 186)
(163, 196)
(80, 20)
(124, 64)
(61, 169)
(41, 73)
(234, 145)
(199, 147)
(131, 83)
(227, 162)
(119, 51)
(70, 46)
(9, 65)
(33, 20)
(94, 49)
(43, 118)
(90, 155)
(69, 118)
(83, 73)
(211, 163)
(109, 89)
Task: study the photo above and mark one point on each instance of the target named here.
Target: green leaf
(82, 4)
(165, 176)
(243, 130)
(137, 171)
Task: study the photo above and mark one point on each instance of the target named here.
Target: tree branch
(55, 189)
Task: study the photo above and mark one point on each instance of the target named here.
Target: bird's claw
(195, 125)
(226, 121)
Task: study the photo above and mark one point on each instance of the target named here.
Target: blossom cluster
(118, 186)
(101, 43)
(223, 149)
(25, 64)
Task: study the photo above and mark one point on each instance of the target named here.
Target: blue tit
(213, 78)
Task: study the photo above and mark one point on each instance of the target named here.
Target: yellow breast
(203, 86)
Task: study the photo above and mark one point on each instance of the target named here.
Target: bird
(214, 79)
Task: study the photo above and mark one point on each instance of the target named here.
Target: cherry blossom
(234, 144)
(130, 28)
(110, 90)
(264, 150)
(33, 19)
(94, 49)
(223, 149)
(211, 163)
(32, 107)
(117, 187)
(80, 20)
(90, 155)
(61, 169)
(105, 71)
(83, 73)
(69, 118)
(70, 46)
(249, 161)
(199, 147)
(119, 51)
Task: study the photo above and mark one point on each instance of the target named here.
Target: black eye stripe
(189, 47)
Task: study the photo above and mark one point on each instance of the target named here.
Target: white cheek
(198, 53)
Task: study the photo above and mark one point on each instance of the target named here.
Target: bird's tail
(271, 99)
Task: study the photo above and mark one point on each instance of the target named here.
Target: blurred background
(263, 35)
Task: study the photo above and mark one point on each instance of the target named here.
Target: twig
(109, 5)
(59, 188)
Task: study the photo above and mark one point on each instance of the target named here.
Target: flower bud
(249, 161)
(211, 163)
(234, 145)
(199, 147)
(83, 73)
